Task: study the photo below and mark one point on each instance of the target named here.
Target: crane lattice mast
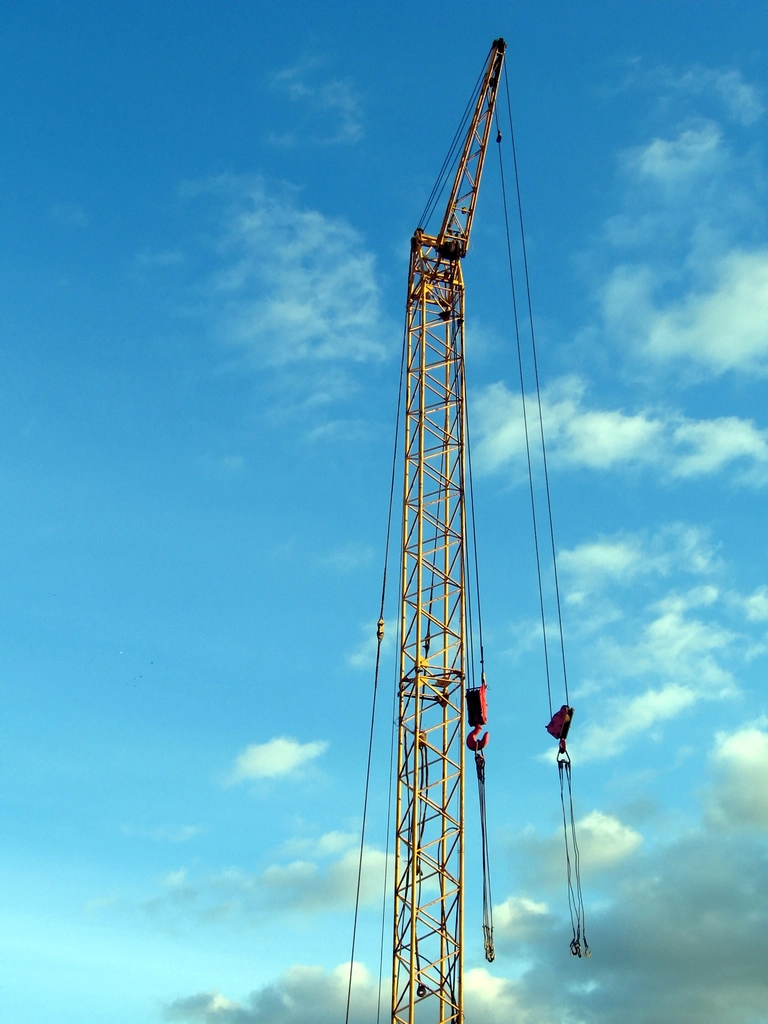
(429, 851)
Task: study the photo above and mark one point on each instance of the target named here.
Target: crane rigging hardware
(427, 978)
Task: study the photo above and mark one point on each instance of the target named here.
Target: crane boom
(429, 849)
(453, 238)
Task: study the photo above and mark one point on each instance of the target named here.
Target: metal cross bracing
(430, 792)
(429, 848)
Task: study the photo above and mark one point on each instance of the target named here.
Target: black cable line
(474, 545)
(525, 421)
(490, 953)
(389, 823)
(365, 815)
(538, 391)
(577, 867)
(471, 638)
(379, 641)
(572, 901)
(450, 159)
(423, 815)
(470, 558)
(573, 872)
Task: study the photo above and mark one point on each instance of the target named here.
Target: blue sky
(206, 212)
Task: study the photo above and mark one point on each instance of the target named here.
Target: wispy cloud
(755, 605)
(594, 565)
(312, 885)
(164, 833)
(675, 162)
(689, 280)
(741, 99)
(363, 655)
(681, 657)
(329, 843)
(631, 718)
(347, 558)
(277, 758)
(294, 286)
(332, 108)
(148, 258)
(70, 214)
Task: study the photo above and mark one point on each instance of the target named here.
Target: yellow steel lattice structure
(429, 850)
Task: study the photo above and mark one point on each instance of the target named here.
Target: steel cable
(534, 517)
(379, 642)
(573, 870)
(538, 391)
(450, 159)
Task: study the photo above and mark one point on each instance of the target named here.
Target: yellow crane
(427, 980)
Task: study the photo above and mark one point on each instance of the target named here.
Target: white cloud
(619, 559)
(296, 285)
(490, 999)
(715, 443)
(676, 161)
(756, 605)
(679, 655)
(739, 796)
(605, 843)
(347, 558)
(724, 327)
(518, 917)
(335, 842)
(741, 99)
(328, 843)
(164, 833)
(304, 887)
(310, 995)
(363, 656)
(578, 436)
(681, 647)
(629, 718)
(278, 757)
(693, 285)
(303, 995)
(604, 840)
(677, 932)
(332, 106)
(575, 435)
(676, 928)
(594, 564)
